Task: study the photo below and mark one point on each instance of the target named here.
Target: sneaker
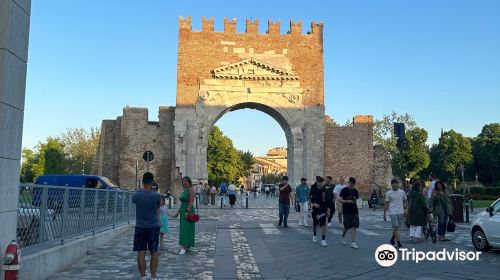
(300, 223)
(305, 225)
(285, 225)
(182, 251)
(323, 243)
(400, 245)
(329, 224)
(354, 245)
(342, 239)
(315, 239)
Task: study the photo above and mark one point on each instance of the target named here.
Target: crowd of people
(417, 207)
(414, 207)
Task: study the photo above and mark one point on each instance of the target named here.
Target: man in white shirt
(395, 201)
(430, 189)
(336, 192)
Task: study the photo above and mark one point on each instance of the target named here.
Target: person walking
(147, 225)
(319, 210)
(432, 185)
(330, 199)
(266, 189)
(231, 194)
(396, 203)
(213, 194)
(441, 208)
(336, 191)
(206, 193)
(199, 189)
(417, 211)
(223, 193)
(284, 201)
(186, 228)
(348, 197)
(302, 197)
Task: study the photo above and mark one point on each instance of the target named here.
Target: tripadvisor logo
(386, 255)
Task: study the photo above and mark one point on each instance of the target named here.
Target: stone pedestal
(14, 29)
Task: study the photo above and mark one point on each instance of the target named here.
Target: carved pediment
(252, 69)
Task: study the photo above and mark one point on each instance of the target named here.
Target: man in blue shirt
(147, 225)
(302, 194)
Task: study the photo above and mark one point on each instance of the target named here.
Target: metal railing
(50, 213)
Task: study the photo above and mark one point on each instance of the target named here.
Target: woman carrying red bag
(187, 228)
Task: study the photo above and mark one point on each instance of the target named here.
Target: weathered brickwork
(349, 151)
(123, 141)
(201, 51)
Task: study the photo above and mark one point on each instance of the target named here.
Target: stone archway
(251, 83)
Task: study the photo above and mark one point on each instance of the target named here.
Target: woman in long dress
(187, 228)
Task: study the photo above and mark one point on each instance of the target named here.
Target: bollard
(467, 212)
(246, 201)
(471, 206)
(169, 202)
(197, 197)
(221, 202)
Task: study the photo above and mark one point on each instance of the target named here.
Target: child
(164, 221)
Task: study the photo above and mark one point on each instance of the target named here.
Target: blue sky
(436, 60)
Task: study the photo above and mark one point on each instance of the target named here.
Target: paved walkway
(239, 243)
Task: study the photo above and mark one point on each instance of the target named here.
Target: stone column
(14, 29)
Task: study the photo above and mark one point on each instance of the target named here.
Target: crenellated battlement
(252, 27)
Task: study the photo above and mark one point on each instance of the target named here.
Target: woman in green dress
(187, 228)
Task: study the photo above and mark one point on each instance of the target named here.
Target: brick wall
(349, 151)
(123, 142)
(201, 51)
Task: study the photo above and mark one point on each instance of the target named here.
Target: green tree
(414, 157)
(50, 159)
(486, 148)
(223, 161)
(247, 160)
(80, 147)
(453, 149)
(28, 160)
(383, 130)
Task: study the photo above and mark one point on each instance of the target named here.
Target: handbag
(451, 226)
(193, 217)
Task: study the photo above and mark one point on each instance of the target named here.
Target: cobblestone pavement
(239, 243)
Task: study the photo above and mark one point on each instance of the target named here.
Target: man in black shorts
(147, 225)
(348, 197)
(318, 202)
(330, 199)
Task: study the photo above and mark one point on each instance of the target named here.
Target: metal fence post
(122, 212)
(43, 215)
(106, 207)
(169, 202)
(130, 194)
(115, 208)
(81, 224)
(246, 201)
(221, 202)
(64, 222)
(94, 214)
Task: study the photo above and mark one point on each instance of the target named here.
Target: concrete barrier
(43, 264)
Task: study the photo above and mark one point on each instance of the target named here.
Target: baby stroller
(429, 228)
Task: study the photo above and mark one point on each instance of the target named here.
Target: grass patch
(482, 204)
